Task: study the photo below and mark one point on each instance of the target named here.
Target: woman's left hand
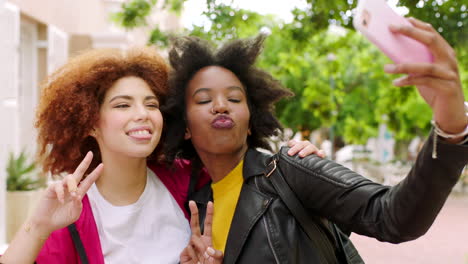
(304, 148)
(200, 248)
(438, 82)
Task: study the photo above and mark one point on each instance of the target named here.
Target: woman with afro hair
(220, 110)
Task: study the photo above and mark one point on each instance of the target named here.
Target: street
(445, 242)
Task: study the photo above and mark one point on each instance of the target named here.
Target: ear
(93, 133)
(249, 132)
(188, 134)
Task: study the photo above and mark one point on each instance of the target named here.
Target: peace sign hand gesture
(61, 204)
(200, 248)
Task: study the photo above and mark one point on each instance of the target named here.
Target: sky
(281, 8)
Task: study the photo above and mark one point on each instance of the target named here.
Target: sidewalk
(446, 242)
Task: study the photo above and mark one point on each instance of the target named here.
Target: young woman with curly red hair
(102, 107)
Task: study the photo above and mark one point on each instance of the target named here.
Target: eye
(153, 105)
(234, 100)
(203, 102)
(122, 106)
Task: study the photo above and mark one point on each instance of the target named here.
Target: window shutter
(9, 46)
(57, 50)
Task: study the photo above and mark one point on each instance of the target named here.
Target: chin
(224, 148)
(140, 153)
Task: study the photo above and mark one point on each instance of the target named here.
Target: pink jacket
(59, 247)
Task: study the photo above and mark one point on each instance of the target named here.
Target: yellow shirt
(225, 195)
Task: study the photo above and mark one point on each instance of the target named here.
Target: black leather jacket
(264, 231)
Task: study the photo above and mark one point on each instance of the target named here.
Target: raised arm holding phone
(428, 61)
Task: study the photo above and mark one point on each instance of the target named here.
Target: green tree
(338, 79)
(449, 17)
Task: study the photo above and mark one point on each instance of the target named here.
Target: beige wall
(71, 16)
(78, 43)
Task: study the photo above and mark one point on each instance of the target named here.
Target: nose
(220, 106)
(141, 113)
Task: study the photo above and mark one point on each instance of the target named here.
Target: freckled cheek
(114, 123)
(157, 120)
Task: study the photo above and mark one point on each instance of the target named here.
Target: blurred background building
(37, 38)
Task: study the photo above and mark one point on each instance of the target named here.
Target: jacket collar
(251, 206)
(255, 163)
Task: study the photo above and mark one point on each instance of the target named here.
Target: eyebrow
(128, 97)
(209, 89)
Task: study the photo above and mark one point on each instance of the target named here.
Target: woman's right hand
(200, 248)
(61, 204)
(59, 207)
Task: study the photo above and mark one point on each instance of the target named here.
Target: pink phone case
(373, 18)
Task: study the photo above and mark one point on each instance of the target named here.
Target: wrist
(455, 130)
(457, 140)
(37, 230)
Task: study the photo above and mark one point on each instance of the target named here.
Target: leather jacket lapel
(251, 206)
(201, 198)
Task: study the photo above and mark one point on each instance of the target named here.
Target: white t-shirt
(152, 230)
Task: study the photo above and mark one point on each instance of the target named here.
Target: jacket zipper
(269, 241)
(268, 233)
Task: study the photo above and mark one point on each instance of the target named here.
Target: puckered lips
(140, 133)
(222, 122)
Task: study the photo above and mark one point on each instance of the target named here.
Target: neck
(219, 165)
(123, 179)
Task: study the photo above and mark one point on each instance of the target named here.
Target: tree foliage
(134, 13)
(449, 17)
(338, 79)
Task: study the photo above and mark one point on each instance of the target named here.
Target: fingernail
(206, 255)
(400, 81)
(390, 68)
(301, 154)
(211, 250)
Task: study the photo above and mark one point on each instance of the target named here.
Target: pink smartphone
(373, 18)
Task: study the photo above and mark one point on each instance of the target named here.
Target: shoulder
(314, 167)
(180, 170)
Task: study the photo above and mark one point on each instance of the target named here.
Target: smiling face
(130, 122)
(216, 111)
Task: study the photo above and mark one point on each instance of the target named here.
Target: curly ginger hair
(71, 98)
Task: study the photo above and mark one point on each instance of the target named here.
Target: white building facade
(37, 37)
